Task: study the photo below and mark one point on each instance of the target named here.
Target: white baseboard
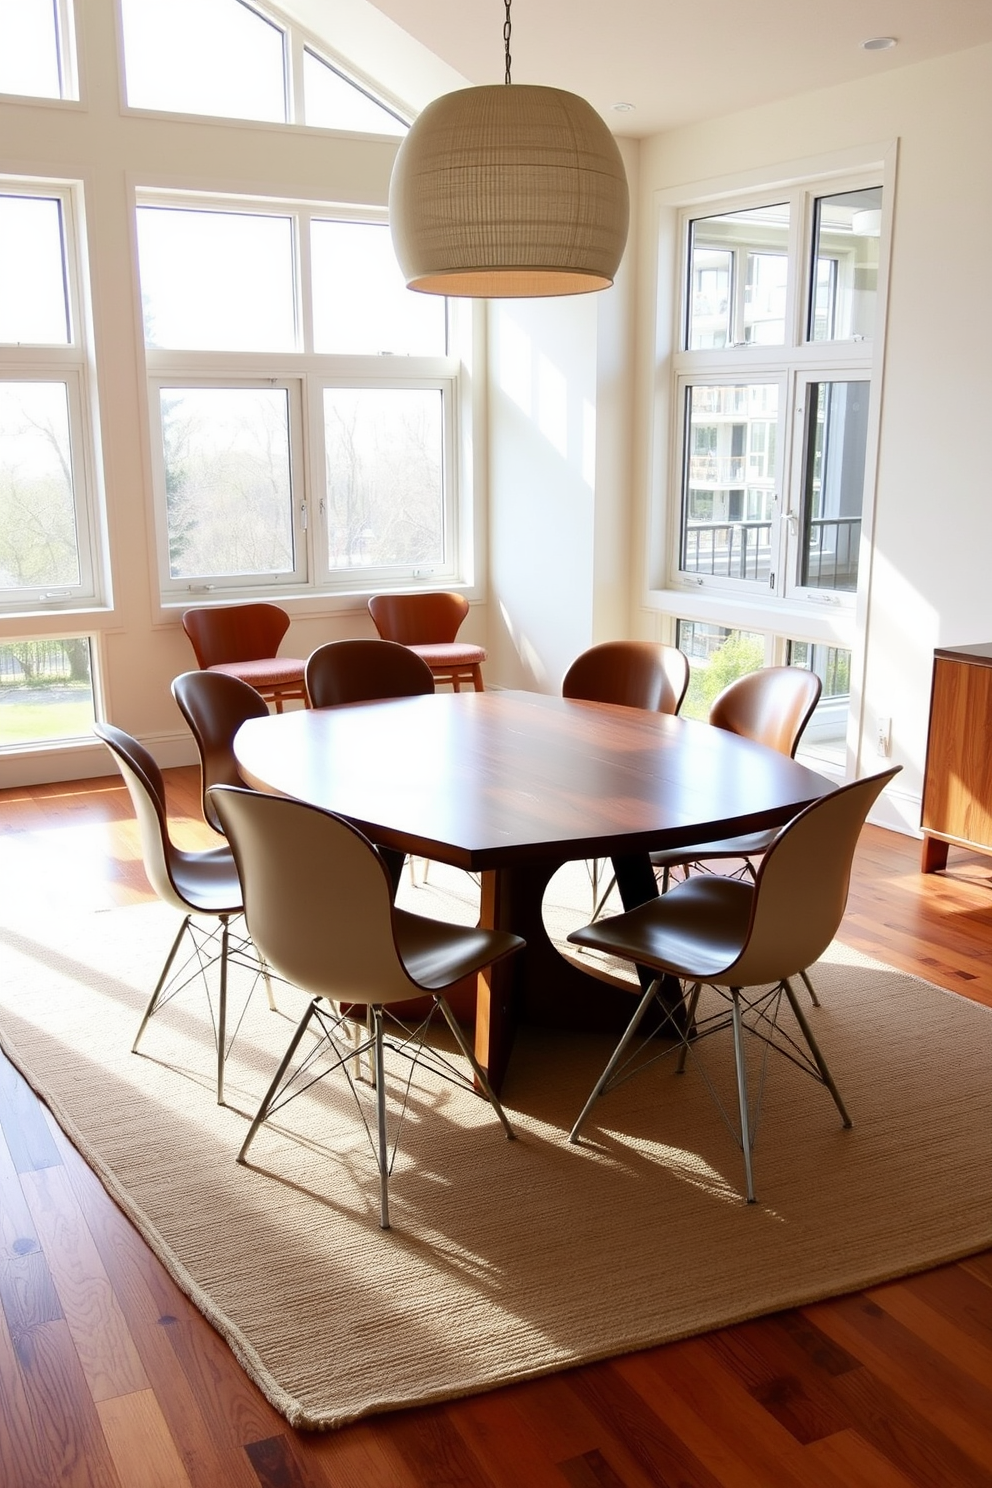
(86, 759)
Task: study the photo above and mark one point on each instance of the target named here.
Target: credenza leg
(934, 855)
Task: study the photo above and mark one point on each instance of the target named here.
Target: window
(303, 403)
(717, 656)
(47, 522)
(46, 691)
(35, 48)
(773, 394)
(230, 59)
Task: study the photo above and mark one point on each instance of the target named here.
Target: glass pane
(34, 303)
(824, 737)
(29, 49)
(729, 480)
(846, 234)
(361, 304)
(833, 483)
(217, 281)
(228, 487)
(46, 691)
(385, 504)
(738, 279)
(204, 57)
(716, 656)
(332, 102)
(38, 546)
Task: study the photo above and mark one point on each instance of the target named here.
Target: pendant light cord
(506, 40)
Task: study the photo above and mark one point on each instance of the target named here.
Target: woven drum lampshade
(508, 192)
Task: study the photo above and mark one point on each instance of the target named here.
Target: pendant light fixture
(508, 191)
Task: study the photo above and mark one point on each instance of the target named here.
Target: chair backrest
(800, 889)
(143, 779)
(248, 632)
(215, 705)
(418, 619)
(317, 896)
(771, 706)
(361, 671)
(634, 674)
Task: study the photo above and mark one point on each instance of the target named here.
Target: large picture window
(303, 403)
(47, 516)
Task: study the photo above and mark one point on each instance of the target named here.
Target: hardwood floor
(109, 1377)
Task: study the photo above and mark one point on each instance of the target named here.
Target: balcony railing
(730, 550)
(832, 553)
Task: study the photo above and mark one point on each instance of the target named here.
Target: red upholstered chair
(242, 640)
(428, 624)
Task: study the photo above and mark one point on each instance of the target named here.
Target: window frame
(66, 61)
(310, 372)
(69, 363)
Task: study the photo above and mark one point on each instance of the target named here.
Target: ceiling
(678, 63)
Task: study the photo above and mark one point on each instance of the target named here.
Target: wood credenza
(957, 782)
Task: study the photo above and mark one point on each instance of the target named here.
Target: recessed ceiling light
(623, 108)
(878, 43)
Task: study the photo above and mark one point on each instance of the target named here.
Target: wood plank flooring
(110, 1378)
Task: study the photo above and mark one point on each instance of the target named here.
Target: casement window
(46, 691)
(773, 393)
(36, 49)
(225, 58)
(303, 404)
(48, 516)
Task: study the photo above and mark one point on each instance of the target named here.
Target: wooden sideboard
(957, 783)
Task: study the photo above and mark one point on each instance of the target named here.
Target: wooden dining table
(511, 785)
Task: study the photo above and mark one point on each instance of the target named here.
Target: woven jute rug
(506, 1260)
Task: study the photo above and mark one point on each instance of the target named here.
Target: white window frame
(311, 372)
(68, 363)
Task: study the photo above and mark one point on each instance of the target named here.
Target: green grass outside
(39, 723)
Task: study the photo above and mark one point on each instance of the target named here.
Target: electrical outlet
(883, 738)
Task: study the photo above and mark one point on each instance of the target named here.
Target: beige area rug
(506, 1260)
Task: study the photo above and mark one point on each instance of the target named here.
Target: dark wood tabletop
(513, 784)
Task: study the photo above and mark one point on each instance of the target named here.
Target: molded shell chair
(204, 884)
(632, 674)
(744, 940)
(361, 671)
(242, 640)
(215, 705)
(318, 901)
(429, 625)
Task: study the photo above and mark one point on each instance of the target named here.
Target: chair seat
(727, 847)
(451, 654)
(271, 671)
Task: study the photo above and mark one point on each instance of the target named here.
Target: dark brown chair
(202, 885)
(215, 705)
(362, 671)
(632, 674)
(745, 941)
(242, 640)
(319, 904)
(429, 624)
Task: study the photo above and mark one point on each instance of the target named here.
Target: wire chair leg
(690, 1015)
(616, 1057)
(160, 984)
(810, 989)
(272, 1091)
(222, 1010)
(814, 1049)
(741, 1064)
(479, 1072)
(382, 1154)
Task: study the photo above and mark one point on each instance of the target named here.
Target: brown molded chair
(428, 624)
(196, 883)
(632, 674)
(242, 640)
(362, 671)
(318, 902)
(729, 935)
(215, 705)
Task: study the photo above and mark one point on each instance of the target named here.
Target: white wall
(930, 581)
